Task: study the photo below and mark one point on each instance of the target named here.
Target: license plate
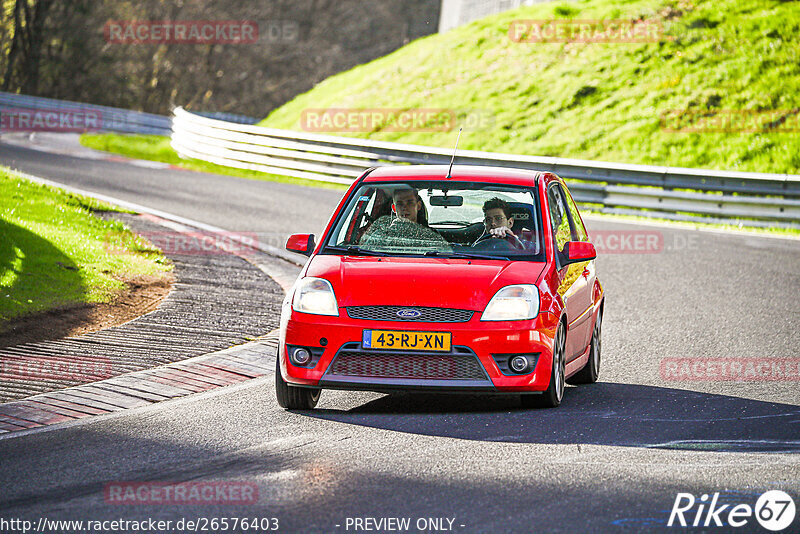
(399, 340)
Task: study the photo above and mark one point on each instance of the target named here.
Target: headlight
(315, 295)
(513, 303)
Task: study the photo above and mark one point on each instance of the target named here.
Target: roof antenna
(450, 170)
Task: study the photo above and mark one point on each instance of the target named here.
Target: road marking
(730, 445)
(702, 420)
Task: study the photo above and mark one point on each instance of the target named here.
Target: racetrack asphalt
(612, 458)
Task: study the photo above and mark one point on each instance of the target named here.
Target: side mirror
(577, 251)
(301, 243)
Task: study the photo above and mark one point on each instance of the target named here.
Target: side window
(558, 217)
(565, 214)
(579, 231)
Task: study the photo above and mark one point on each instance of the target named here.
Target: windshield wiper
(352, 249)
(465, 255)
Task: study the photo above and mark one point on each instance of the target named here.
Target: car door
(574, 287)
(579, 233)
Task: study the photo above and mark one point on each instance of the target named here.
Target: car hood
(438, 282)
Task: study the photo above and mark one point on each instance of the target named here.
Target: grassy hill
(712, 59)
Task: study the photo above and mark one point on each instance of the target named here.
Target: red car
(478, 280)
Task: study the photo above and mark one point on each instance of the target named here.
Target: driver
(498, 222)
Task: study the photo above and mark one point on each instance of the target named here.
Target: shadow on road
(601, 414)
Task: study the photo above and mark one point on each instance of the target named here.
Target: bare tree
(58, 48)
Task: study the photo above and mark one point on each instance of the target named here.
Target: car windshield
(443, 219)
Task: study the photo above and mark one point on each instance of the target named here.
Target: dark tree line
(58, 48)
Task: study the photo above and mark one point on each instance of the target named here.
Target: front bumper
(474, 343)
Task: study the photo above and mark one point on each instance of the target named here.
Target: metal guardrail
(110, 119)
(752, 199)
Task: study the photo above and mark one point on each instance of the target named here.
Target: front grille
(418, 366)
(426, 315)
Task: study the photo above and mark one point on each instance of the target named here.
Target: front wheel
(293, 397)
(551, 397)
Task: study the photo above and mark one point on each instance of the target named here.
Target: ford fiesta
(478, 279)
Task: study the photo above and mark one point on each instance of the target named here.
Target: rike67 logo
(774, 510)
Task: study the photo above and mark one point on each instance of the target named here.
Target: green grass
(54, 253)
(596, 101)
(157, 148)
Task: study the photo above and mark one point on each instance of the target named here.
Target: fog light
(301, 356)
(518, 364)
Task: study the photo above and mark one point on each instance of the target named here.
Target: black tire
(590, 371)
(292, 397)
(551, 397)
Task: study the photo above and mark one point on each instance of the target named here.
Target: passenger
(408, 206)
(410, 221)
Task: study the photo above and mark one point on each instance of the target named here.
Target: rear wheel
(293, 397)
(590, 371)
(551, 397)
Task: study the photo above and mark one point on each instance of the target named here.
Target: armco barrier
(752, 199)
(110, 119)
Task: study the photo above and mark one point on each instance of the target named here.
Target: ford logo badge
(409, 314)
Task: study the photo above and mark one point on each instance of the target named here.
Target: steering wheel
(487, 242)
